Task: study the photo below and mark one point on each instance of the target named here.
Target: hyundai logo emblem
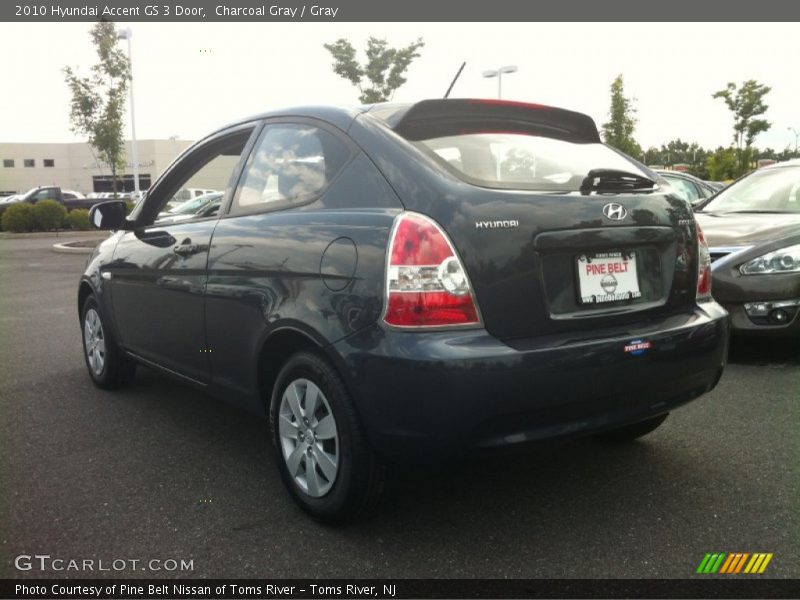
(614, 211)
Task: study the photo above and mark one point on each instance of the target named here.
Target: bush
(48, 214)
(78, 218)
(18, 217)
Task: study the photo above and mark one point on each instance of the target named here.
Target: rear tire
(323, 453)
(107, 364)
(628, 433)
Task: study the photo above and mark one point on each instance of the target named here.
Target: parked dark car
(34, 195)
(411, 282)
(689, 187)
(753, 228)
(68, 198)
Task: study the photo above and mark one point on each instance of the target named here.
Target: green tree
(652, 156)
(723, 164)
(785, 154)
(699, 162)
(383, 72)
(618, 131)
(98, 100)
(677, 152)
(694, 156)
(747, 104)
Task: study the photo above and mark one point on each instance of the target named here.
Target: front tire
(628, 433)
(107, 364)
(324, 456)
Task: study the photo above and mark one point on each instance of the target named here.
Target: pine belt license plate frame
(607, 277)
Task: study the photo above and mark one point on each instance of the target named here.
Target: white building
(74, 166)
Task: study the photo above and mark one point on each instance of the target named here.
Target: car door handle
(186, 248)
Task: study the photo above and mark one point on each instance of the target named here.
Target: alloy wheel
(309, 437)
(94, 341)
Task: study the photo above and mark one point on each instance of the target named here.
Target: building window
(29, 162)
(49, 162)
(8, 163)
(102, 183)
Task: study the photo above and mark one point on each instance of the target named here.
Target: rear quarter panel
(316, 268)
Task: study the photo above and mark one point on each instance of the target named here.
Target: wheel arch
(275, 351)
(85, 290)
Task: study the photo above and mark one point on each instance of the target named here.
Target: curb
(67, 249)
(5, 235)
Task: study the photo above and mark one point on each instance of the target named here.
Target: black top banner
(600, 11)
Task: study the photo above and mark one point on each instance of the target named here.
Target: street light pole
(796, 137)
(499, 74)
(127, 34)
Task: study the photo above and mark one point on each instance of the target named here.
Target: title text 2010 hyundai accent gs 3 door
(408, 282)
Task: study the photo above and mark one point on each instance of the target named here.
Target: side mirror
(108, 215)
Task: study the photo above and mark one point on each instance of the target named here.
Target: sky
(192, 78)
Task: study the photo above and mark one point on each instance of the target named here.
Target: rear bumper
(427, 395)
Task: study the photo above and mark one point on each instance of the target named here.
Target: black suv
(410, 282)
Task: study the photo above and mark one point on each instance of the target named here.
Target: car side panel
(99, 262)
(316, 268)
(158, 295)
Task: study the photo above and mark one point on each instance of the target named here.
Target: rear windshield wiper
(613, 180)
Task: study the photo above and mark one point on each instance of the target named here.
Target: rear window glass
(521, 161)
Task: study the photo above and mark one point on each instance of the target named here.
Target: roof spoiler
(441, 118)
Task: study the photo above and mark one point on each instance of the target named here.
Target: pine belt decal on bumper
(637, 347)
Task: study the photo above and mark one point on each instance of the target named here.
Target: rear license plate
(607, 277)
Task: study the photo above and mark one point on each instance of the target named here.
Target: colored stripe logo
(734, 563)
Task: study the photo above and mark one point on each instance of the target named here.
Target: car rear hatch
(558, 232)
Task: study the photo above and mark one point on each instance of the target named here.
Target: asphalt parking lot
(159, 471)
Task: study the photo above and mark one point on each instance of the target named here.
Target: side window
(684, 188)
(290, 163)
(694, 191)
(197, 182)
(46, 194)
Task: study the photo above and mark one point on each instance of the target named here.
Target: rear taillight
(426, 283)
(703, 267)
